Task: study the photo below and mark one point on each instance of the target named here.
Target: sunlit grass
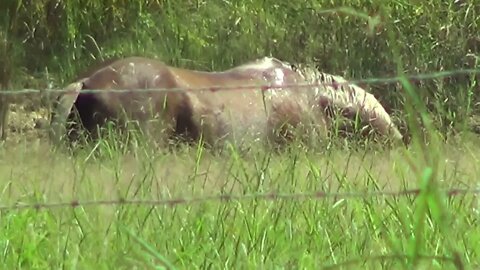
(429, 231)
(300, 233)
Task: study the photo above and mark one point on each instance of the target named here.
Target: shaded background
(45, 43)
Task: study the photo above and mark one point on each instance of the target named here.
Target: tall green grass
(67, 36)
(362, 39)
(425, 232)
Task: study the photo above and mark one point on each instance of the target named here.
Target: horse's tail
(61, 109)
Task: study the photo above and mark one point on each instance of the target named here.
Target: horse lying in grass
(264, 99)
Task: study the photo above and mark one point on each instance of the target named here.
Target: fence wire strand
(272, 196)
(316, 195)
(385, 80)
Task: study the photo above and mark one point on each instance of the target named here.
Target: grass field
(295, 232)
(276, 216)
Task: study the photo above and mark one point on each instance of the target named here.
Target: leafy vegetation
(430, 232)
(67, 36)
(45, 43)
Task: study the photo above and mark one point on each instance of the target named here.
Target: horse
(263, 99)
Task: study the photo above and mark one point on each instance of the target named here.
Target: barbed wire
(384, 80)
(259, 196)
(272, 196)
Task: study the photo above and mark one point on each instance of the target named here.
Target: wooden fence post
(4, 109)
(4, 83)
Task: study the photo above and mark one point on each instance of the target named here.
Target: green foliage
(67, 36)
(300, 232)
(356, 39)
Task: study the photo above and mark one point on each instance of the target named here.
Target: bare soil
(26, 123)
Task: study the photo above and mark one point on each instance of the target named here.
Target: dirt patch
(28, 120)
(27, 123)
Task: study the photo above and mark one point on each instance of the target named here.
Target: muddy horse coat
(237, 114)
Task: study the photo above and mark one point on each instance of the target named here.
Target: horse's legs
(282, 122)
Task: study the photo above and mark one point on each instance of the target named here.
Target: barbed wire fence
(270, 196)
(334, 84)
(316, 195)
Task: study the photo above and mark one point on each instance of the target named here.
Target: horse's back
(246, 109)
(132, 75)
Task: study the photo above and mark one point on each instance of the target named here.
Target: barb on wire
(385, 80)
(232, 197)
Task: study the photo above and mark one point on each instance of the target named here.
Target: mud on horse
(237, 114)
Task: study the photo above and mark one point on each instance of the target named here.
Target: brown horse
(236, 114)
